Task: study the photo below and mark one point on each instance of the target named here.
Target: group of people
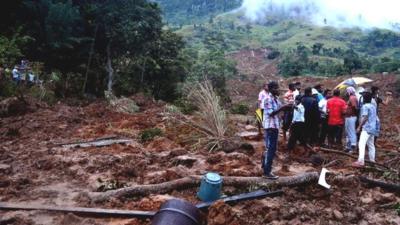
(318, 117)
(22, 74)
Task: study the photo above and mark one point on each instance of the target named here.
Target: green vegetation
(94, 46)
(300, 48)
(150, 134)
(178, 12)
(185, 106)
(240, 108)
(87, 47)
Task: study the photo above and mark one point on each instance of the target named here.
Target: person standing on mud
(351, 120)
(297, 127)
(271, 124)
(324, 117)
(376, 101)
(288, 114)
(261, 99)
(336, 108)
(368, 129)
(311, 115)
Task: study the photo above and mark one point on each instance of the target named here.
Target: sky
(365, 14)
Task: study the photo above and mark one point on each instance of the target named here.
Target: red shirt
(336, 108)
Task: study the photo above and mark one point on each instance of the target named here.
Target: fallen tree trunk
(377, 183)
(193, 181)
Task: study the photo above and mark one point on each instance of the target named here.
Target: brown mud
(35, 170)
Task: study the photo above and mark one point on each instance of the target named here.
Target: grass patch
(150, 134)
(240, 108)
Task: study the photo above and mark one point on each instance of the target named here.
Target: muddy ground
(35, 169)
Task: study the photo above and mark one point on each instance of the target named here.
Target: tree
(316, 48)
(158, 72)
(351, 61)
(126, 27)
(215, 67)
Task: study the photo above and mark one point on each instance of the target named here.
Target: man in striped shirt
(271, 124)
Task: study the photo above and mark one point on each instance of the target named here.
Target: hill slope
(326, 48)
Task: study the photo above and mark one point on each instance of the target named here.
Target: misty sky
(339, 13)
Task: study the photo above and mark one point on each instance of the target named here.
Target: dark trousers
(287, 120)
(272, 136)
(323, 131)
(296, 134)
(311, 131)
(335, 134)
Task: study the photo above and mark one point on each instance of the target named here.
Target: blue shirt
(368, 110)
(319, 97)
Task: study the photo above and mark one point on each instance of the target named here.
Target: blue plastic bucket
(210, 187)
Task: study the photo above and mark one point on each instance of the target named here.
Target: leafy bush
(273, 54)
(185, 106)
(43, 94)
(150, 134)
(7, 89)
(240, 108)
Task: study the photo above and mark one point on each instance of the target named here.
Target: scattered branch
(194, 181)
(378, 183)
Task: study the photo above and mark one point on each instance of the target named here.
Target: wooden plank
(86, 141)
(100, 143)
(95, 212)
(242, 197)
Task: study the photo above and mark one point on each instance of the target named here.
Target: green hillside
(342, 50)
(178, 12)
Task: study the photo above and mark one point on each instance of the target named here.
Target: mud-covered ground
(35, 169)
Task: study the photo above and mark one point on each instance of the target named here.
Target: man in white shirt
(297, 127)
(15, 74)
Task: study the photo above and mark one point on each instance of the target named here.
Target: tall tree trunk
(89, 60)
(109, 68)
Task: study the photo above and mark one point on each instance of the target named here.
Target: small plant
(240, 108)
(185, 106)
(150, 134)
(273, 54)
(213, 122)
(397, 208)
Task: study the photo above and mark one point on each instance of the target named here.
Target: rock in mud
(384, 197)
(184, 160)
(5, 169)
(367, 200)
(338, 215)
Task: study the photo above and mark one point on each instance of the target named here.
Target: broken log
(194, 181)
(378, 183)
(98, 143)
(86, 141)
(94, 212)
